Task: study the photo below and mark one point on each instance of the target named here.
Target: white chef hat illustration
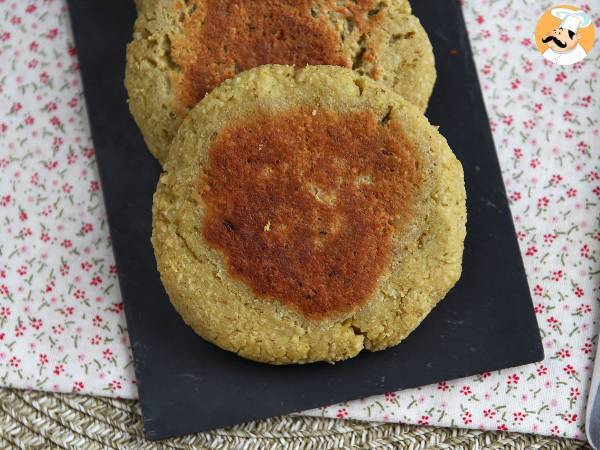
(571, 20)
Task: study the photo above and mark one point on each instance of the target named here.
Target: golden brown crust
(182, 50)
(303, 204)
(425, 253)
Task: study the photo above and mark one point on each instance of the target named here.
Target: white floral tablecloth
(62, 326)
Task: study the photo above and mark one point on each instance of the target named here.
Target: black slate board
(187, 385)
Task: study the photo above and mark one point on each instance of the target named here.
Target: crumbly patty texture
(181, 50)
(307, 214)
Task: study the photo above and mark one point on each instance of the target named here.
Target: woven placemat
(30, 419)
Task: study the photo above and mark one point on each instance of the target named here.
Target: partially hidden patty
(183, 50)
(306, 214)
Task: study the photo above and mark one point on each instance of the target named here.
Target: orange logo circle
(565, 34)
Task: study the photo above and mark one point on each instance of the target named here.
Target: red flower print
(5, 200)
(4, 310)
(36, 324)
(66, 243)
(489, 413)
(14, 362)
(584, 309)
(97, 321)
(538, 290)
(95, 340)
(563, 353)
(571, 192)
(60, 368)
(570, 370)
(553, 322)
(86, 266)
(50, 286)
(43, 359)
(79, 294)
(58, 329)
(107, 354)
(116, 385)
(587, 346)
(560, 77)
(585, 251)
(513, 379)
(502, 427)
(556, 179)
(556, 275)
(549, 238)
(5, 293)
(467, 417)
(341, 413)
(539, 308)
(44, 78)
(507, 120)
(78, 386)
(20, 330)
(554, 430)
(519, 416)
(543, 202)
(424, 420)
(578, 292)
(515, 196)
(55, 121)
(531, 251)
(466, 390)
(518, 153)
(96, 281)
(570, 418)
(443, 386)
(574, 393)
(87, 228)
(485, 375)
(30, 8)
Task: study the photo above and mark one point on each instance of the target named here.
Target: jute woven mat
(30, 420)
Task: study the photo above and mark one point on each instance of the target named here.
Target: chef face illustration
(563, 42)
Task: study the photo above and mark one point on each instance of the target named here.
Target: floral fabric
(62, 326)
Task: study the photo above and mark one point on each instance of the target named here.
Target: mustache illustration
(556, 41)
